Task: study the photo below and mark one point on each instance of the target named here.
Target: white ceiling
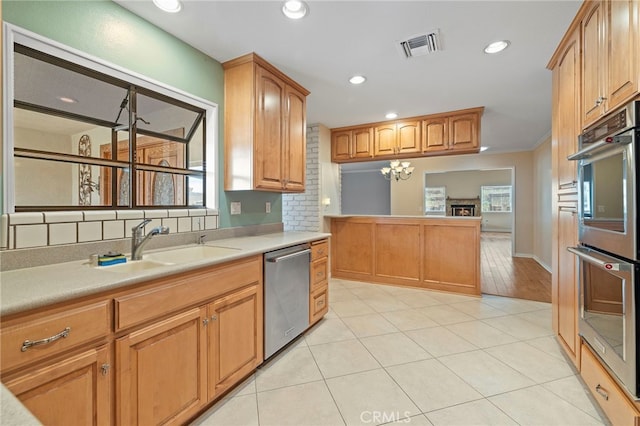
(341, 38)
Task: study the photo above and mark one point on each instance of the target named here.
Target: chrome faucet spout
(139, 240)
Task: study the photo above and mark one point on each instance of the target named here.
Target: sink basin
(133, 266)
(190, 254)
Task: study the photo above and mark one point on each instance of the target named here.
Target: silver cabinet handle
(105, 369)
(600, 100)
(214, 317)
(205, 321)
(29, 343)
(602, 392)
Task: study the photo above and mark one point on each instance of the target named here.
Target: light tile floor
(388, 354)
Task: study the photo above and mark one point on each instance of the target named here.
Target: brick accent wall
(301, 212)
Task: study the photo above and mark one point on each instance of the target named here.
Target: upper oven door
(607, 194)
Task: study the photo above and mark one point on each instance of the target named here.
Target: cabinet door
(341, 146)
(384, 140)
(623, 42)
(567, 286)
(74, 391)
(295, 152)
(269, 131)
(235, 337)
(436, 134)
(463, 132)
(566, 82)
(408, 137)
(362, 143)
(162, 371)
(593, 64)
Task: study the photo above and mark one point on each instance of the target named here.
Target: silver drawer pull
(602, 392)
(29, 343)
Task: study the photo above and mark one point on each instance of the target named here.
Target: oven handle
(604, 262)
(600, 146)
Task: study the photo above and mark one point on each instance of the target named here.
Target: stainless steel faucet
(138, 239)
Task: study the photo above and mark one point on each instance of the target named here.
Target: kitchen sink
(133, 266)
(190, 254)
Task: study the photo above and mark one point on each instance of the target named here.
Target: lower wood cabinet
(235, 337)
(318, 303)
(162, 371)
(606, 392)
(71, 391)
(435, 253)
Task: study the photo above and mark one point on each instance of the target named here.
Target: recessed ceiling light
(295, 9)
(357, 79)
(67, 100)
(171, 6)
(391, 115)
(497, 46)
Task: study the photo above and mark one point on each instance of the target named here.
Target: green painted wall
(110, 32)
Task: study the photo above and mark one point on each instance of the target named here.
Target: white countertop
(29, 288)
(401, 216)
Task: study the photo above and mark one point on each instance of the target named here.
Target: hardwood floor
(504, 275)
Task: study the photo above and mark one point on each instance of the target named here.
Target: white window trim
(13, 34)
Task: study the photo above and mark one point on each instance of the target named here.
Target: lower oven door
(607, 320)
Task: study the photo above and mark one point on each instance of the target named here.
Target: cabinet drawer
(318, 272)
(51, 333)
(319, 249)
(609, 396)
(318, 303)
(181, 291)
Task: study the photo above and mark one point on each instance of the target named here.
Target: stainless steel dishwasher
(286, 296)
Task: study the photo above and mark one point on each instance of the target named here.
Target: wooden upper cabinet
(265, 127)
(566, 116)
(352, 144)
(436, 134)
(397, 138)
(455, 132)
(610, 43)
(452, 133)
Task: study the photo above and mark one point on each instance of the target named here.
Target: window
(496, 198)
(88, 135)
(434, 200)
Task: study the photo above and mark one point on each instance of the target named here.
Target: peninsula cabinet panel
(352, 250)
(451, 259)
(74, 391)
(235, 337)
(162, 371)
(439, 254)
(397, 252)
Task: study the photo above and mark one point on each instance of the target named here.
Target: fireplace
(463, 210)
(463, 206)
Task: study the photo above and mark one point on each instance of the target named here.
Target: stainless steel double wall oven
(608, 254)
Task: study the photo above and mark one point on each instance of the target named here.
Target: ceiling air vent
(420, 44)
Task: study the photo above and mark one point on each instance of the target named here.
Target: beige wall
(407, 196)
(542, 208)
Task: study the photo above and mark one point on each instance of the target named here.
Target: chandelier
(397, 170)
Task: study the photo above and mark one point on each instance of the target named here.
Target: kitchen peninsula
(438, 253)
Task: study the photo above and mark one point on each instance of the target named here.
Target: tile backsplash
(42, 229)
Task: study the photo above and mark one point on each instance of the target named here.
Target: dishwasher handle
(288, 256)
